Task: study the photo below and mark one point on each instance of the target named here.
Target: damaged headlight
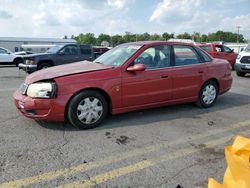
(42, 90)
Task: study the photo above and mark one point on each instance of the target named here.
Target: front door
(152, 85)
(68, 54)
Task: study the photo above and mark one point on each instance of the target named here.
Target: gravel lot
(161, 147)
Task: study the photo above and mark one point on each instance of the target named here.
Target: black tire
(241, 74)
(17, 61)
(44, 66)
(82, 107)
(209, 100)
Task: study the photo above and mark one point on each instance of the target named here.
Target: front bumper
(239, 67)
(40, 109)
(27, 68)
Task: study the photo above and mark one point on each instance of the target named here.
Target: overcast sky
(56, 18)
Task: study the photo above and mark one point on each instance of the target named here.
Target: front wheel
(17, 61)
(44, 66)
(208, 94)
(87, 109)
(241, 74)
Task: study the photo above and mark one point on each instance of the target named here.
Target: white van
(242, 65)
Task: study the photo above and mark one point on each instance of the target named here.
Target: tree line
(89, 38)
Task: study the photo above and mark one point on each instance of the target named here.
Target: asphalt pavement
(163, 147)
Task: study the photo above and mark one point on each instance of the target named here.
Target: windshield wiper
(98, 62)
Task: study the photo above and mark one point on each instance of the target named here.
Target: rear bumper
(40, 109)
(27, 68)
(242, 67)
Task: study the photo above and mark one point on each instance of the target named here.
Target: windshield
(247, 49)
(118, 55)
(54, 49)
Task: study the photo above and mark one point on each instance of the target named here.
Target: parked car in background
(99, 50)
(131, 76)
(57, 55)
(220, 51)
(23, 53)
(9, 58)
(242, 65)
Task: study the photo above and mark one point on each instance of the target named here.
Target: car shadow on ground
(7, 66)
(140, 118)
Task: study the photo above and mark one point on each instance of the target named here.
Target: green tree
(116, 40)
(166, 36)
(88, 38)
(156, 37)
(103, 37)
(184, 36)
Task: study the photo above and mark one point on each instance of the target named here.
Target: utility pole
(238, 27)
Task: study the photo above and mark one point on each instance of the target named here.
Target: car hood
(65, 70)
(35, 55)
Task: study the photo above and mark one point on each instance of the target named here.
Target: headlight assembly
(42, 90)
(239, 56)
(30, 62)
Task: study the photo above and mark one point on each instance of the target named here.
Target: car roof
(158, 42)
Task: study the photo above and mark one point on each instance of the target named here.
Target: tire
(17, 61)
(241, 74)
(208, 94)
(87, 109)
(44, 66)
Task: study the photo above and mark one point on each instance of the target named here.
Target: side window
(3, 51)
(219, 48)
(185, 55)
(227, 49)
(69, 50)
(85, 50)
(155, 57)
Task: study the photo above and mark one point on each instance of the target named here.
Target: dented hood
(64, 70)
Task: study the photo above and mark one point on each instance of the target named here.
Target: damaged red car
(129, 77)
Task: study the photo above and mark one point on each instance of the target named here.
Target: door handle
(200, 72)
(164, 76)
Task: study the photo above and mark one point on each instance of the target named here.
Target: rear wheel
(241, 74)
(87, 109)
(44, 66)
(208, 94)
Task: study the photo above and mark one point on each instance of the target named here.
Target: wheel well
(45, 61)
(216, 81)
(17, 59)
(104, 93)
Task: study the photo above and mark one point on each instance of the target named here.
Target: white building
(35, 45)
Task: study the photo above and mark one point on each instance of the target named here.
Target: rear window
(206, 48)
(204, 56)
(185, 55)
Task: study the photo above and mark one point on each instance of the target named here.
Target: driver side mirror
(136, 67)
(61, 53)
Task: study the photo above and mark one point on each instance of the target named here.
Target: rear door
(86, 53)
(188, 72)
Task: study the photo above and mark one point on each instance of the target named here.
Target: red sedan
(131, 76)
